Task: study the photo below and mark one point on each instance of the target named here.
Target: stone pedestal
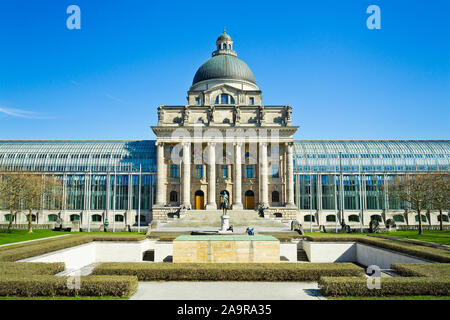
(226, 249)
(225, 224)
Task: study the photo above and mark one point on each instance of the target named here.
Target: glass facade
(114, 175)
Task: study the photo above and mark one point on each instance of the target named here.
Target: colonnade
(211, 204)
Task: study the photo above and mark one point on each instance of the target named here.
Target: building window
(252, 101)
(197, 100)
(96, 218)
(118, 218)
(275, 171)
(199, 171)
(8, 217)
(376, 217)
(331, 218)
(74, 217)
(249, 171)
(224, 99)
(308, 217)
(353, 218)
(141, 216)
(33, 218)
(399, 218)
(444, 218)
(424, 218)
(52, 218)
(174, 171)
(275, 196)
(224, 171)
(173, 196)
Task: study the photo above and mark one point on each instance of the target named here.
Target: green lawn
(18, 235)
(64, 298)
(436, 236)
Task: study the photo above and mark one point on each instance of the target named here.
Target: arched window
(224, 99)
(444, 218)
(353, 218)
(424, 218)
(52, 217)
(399, 218)
(275, 196)
(308, 217)
(8, 217)
(96, 218)
(118, 218)
(173, 196)
(331, 218)
(74, 217)
(33, 217)
(375, 217)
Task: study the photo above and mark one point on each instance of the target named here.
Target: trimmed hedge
(14, 253)
(31, 249)
(31, 268)
(435, 270)
(357, 286)
(34, 286)
(228, 271)
(435, 254)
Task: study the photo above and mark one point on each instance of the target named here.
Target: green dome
(224, 66)
(224, 36)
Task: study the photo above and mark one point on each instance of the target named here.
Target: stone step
(301, 255)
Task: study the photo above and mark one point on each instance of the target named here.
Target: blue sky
(106, 80)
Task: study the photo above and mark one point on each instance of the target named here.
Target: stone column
(264, 179)
(290, 174)
(211, 177)
(186, 175)
(160, 175)
(237, 191)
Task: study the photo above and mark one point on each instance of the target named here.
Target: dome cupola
(224, 45)
(224, 65)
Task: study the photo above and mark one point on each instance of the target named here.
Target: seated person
(230, 228)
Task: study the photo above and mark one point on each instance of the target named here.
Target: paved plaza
(235, 290)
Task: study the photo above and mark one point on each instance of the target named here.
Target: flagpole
(114, 198)
(139, 199)
(89, 201)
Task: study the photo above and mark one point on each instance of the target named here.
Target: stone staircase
(211, 218)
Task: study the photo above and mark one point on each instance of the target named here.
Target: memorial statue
(224, 203)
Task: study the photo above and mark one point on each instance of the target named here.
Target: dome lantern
(224, 45)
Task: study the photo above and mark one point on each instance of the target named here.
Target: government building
(225, 140)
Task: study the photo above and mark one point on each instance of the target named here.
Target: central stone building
(224, 140)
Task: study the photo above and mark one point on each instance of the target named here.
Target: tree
(414, 190)
(36, 189)
(12, 186)
(440, 193)
(32, 196)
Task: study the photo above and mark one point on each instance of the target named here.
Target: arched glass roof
(309, 156)
(61, 156)
(372, 156)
